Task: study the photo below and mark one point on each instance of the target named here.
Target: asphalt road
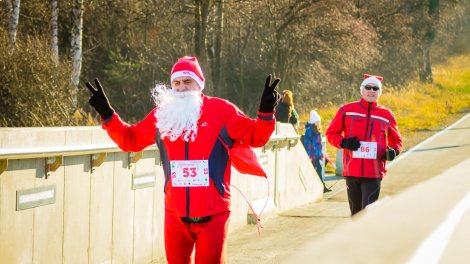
(423, 215)
(305, 231)
(325, 233)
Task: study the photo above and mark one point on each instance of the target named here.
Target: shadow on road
(438, 130)
(445, 147)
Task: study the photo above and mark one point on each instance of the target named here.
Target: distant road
(439, 153)
(390, 232)
(427, 220)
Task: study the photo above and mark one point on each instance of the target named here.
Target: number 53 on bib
(189, 173)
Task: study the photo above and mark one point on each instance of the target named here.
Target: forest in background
(320, 50)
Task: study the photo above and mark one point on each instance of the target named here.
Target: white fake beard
(178, 113)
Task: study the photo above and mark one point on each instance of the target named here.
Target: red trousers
(209, 237)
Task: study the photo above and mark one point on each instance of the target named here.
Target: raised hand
(99, 101)
(270, 97)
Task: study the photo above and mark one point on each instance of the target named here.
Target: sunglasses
(368, 87)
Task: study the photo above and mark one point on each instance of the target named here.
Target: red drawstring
(221, 141)
(254, 213)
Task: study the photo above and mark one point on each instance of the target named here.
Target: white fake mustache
(178, 113)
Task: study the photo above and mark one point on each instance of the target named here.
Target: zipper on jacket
(186, 157)
(365, 136)
(371, 129)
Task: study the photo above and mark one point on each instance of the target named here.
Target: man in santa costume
(188, 127)
(368, 133)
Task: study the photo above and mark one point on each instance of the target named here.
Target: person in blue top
(312, 143)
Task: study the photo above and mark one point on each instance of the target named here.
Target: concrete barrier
(427, 223)
(113, 213)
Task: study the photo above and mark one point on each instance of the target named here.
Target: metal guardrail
(280, 141)
(275, 142)
(54, 154)
(48, 151)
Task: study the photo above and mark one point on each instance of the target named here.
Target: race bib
(189, 173)
(368, 150)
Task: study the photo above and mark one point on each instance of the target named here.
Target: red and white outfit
(376, 128)
(221, 119)
(370, 122)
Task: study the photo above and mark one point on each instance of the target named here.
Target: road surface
(324, 232)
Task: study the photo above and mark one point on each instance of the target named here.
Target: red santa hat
(377, 80)
(188, 67)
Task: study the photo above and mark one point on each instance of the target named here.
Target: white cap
(377, 80)
(314, 117)
(372, 80)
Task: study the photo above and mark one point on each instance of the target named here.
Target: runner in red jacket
(188, 127)
(368, 133)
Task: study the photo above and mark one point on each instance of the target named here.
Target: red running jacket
(369, 122)
(223, 118)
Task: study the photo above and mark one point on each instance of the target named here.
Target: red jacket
(223, 118)
(369, 122)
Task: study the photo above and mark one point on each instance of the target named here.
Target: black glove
(350, 143)
(390, 154)
(99, 101)
(270, 96)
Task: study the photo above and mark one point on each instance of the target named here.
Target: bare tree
(76, 45)
(284, 43)
(201, 12)
(14, 15)
(433, 11)
(55, 33)
(217, 48)
(320, 48)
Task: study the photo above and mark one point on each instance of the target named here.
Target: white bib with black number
(189, 173)
(368, 150)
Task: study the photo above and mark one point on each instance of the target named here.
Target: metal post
(275, 173)
(339, 162)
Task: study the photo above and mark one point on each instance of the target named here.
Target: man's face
(183, 84)
(370, 95)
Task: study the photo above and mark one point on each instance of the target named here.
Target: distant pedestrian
(368, 133)
(285, 111)
(312, 143)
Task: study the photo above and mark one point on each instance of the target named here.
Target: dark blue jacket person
(312, 143)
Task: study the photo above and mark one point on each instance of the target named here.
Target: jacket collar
(365, 104)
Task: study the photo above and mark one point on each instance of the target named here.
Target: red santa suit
(220, 116)
(222, 121)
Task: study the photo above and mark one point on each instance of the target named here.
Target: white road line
(402, 156)
(430, 251)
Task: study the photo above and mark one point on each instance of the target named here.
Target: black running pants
(362, 192)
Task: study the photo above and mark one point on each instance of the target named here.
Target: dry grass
(420, 107)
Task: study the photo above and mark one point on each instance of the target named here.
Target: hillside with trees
(319, 48)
